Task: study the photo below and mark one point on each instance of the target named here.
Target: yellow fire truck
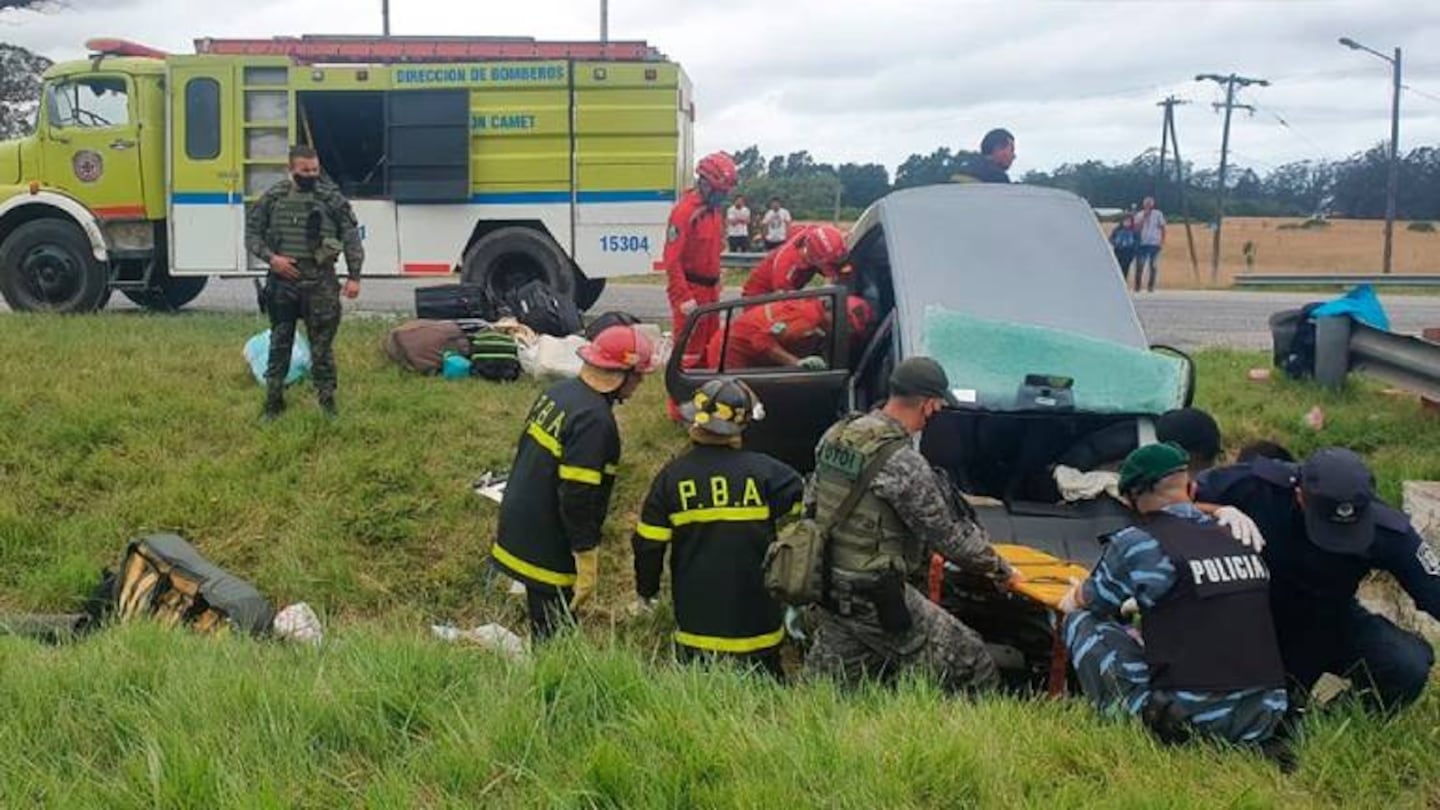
(503, 159)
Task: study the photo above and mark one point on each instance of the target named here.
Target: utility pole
(1168, 134)
(385, 17)
(1231, 82)
(1392, 188)
(604, 22)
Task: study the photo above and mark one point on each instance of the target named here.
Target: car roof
(1013, 253)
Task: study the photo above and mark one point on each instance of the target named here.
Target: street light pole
(385, 17)
(1392, 185)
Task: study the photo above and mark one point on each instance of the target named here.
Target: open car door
(801, 402)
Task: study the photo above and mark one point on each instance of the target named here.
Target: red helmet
(858, 310)
(719, 171)
(620, 348)
(823, 246)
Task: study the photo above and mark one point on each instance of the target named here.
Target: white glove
(1129, 607)
(1241, 527)
(794, 625)
(687, 307)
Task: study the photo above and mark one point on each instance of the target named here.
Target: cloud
(879, 81)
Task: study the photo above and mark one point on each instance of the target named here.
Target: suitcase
(448, 302)
(536, 306)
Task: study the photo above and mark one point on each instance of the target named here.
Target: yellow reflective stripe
(535, 572)
(659, 534)
(731, 645)
(584, 475)
(544, 439)
(720, 514)
(798, 508)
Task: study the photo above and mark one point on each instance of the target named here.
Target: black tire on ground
(588, 292)
(504, 259)
(47, 265)
(169, 293)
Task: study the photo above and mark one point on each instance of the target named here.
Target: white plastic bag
(257, 354)
(550, 357)
(493, 637)
(298, 622)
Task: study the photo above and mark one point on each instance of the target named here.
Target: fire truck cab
(505, 160)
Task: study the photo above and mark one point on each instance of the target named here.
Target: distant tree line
(1353, 187)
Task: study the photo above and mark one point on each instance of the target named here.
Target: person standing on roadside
(299, 227)
(1150, 223)
(776, 223)
(737, 225)
(693, 243)
(1123, 241)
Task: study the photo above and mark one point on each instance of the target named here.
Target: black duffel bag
(538, 307)
(449, 302)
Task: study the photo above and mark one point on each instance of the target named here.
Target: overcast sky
(879, 80)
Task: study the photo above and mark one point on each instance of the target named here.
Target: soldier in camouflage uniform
(299, 227)
(874, 623)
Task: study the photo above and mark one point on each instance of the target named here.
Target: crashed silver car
(1015, 291)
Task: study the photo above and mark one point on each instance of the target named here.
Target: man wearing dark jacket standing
(559, 488)
(715, 508)
(997, 153)
(299, 227)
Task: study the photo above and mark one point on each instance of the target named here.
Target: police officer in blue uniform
(1205, 660)
(1327, 530)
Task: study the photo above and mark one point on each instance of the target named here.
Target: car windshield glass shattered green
(1001, 366)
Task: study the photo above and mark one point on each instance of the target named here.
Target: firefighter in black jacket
(559, 487)
(716, 506)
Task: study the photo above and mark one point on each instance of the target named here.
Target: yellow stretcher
(1047, 578)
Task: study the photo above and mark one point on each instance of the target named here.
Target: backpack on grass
(164, 577)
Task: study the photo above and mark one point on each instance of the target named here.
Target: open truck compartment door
(207, 200)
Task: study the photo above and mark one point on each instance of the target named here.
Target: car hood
(9, 163)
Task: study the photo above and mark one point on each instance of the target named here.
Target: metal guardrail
(1343, 345)
(1330, 279)
(740, 261)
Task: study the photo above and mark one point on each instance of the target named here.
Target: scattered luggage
(539, 308)
(421, 345)
(446, 302)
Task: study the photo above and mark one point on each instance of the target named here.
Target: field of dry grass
(1342, 246)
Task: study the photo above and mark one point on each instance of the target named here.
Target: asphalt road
(1186, 319)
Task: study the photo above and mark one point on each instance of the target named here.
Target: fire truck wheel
(506, 258)
(169, 294)
(46, 265)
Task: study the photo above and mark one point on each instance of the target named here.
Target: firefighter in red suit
(817, 249)
(693, 244)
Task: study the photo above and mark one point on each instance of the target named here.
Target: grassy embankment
(120, 425)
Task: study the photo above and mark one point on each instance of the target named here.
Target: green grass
(119, 425)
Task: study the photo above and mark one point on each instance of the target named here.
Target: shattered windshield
(999, 366)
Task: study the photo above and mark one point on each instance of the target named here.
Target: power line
(1417, 91)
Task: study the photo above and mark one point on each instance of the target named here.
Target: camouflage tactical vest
(872, 539)
(300, 225)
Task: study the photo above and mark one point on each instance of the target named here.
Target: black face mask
(305, 183)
